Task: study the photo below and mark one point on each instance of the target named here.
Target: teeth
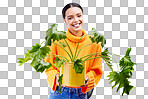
(77, 24)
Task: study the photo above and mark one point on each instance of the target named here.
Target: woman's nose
(76, 19)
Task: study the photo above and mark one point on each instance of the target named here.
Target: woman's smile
(76, 25)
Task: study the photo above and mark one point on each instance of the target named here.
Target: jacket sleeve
(95, 72)
(52, 71)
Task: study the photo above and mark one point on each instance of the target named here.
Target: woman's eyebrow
(72, 15)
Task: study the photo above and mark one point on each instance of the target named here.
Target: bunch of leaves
(97, 37)
(126, 63)
(58, 62)
(78, 66)
(60, 83)
(53, 34)
(36, 54)
(105, 56)
(121, 78)
(26, 59)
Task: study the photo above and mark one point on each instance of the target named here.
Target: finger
(86, 78)
(83, 86)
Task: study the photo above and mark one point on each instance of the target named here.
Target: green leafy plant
(38, 53)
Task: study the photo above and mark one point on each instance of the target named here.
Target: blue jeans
(67, 93)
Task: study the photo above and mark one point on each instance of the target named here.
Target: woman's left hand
(86, 82)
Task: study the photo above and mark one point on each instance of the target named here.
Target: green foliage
(98, 37)
(40, 67)
(62, 44)
(36, 54)
(23, 60)
(126, 62)
(121, 78)
(60, 83)
(78, 66)
(106, 58)
(58, 62)
(53, 34)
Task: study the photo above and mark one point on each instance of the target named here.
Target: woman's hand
(57, 78)
(86, 82)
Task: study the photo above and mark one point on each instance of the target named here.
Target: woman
(73, 17)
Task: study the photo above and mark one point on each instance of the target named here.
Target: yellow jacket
(93, 67)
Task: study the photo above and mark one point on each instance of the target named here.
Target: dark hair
(69, 6)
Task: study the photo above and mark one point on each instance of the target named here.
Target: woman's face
(74, 18)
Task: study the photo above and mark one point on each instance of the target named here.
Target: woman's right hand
(57, 78)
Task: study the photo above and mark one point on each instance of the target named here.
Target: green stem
(82, 48)
(90, 55)
(59, 56)
(77, 47)
(115, 54)
(94, 58)
(69, 48)
(42, 43)
(106, 62)
(91, 58)
(65, 50)
(116, 62)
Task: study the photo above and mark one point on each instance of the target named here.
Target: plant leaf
(62, 44)
(98, 37)
(58, 62)
(52, 33)
(41, 67)
(23, 60)
(60, 83)
(38, 53)
(78, 66)
(126, 62)
(121, 78)
(106, 58)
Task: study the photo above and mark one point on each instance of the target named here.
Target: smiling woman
(72, 60)
(76, 38)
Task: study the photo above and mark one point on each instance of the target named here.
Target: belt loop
(62, 89)
(77, 90)
(57, 88)
(69, 89)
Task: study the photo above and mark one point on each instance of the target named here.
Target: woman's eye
(79, 15)
(69, 18)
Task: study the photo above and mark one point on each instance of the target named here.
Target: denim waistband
(73, 90)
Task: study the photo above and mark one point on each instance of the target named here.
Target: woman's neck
(77, 33)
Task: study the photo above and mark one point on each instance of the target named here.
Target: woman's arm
(52, 71)
(95, 72)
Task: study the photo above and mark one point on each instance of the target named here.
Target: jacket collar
(73, 38)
